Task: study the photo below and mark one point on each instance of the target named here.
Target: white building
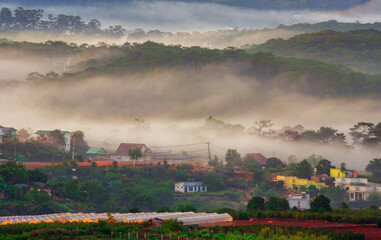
(185, 187)
(346, 182)
(363, 192)
(301, 201)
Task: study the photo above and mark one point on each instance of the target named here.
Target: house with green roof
(7, 133)
(97, 153)
(45, 137)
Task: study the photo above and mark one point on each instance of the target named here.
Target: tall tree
(303, 169)
(233, 158)
(324, 166)
(374, 166)
(321, 204)
(135, 154)
(81, 145)
(262, 128)
(256, 203)
(363, 134)
(57, 139)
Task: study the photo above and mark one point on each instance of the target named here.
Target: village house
(45, 137)
(300, 201)
(363, 192)
(122, 153)
(338, 173)
(322, 178)
(97, 153)
(290, 182)
(185, 187)
(7, 133)
(259, 158)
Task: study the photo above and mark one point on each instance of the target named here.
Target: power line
(184, 145)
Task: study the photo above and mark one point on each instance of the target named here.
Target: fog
(176, 105)
(175, 17)
(211, 39)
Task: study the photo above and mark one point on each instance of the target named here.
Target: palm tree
(135, 154)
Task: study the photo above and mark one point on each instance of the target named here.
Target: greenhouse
(188, 218)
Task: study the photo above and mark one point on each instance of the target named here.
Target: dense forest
(289, 74)
(273, 72)
(331, 25)
(261, 4)
(358, 49)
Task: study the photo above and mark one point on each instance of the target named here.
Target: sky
(169, 16)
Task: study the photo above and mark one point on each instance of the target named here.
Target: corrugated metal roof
(190, 184)
(96, 150)
(48, 132)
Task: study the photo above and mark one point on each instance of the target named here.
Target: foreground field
(169, 229)
(370, 231)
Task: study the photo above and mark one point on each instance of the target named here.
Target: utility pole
(210, 158)
(72, 154)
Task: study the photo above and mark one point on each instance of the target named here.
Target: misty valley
(158, 128)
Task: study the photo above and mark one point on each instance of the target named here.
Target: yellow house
(291, 181)
(337, 173)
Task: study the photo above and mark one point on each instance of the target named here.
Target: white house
(346, 182)
(301, 201)
(45, 137)
(363, 192)
(185, 187)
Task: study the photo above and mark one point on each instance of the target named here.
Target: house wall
(356, 193)
(290, 181)
(299, 203)
(179, 187)
(67, 137)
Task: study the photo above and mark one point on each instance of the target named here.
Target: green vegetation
(309, 77)
(168, 230)
(321, 204)
(32, 150)
(358, 49)
(331, 25)
(362, 216)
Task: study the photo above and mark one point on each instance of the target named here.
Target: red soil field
(369, 230)
(35, 165)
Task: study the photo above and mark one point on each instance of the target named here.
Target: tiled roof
(124, 148)
(258, 157)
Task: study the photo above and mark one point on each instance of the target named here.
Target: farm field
(370, 231)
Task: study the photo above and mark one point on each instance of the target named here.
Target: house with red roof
(122, 153)
(259, 158)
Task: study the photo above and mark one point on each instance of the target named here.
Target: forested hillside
(331, 25)
(289, 74)
(359, 49)
(262, 4)
(273, 72)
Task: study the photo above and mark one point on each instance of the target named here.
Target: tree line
(21, 19)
